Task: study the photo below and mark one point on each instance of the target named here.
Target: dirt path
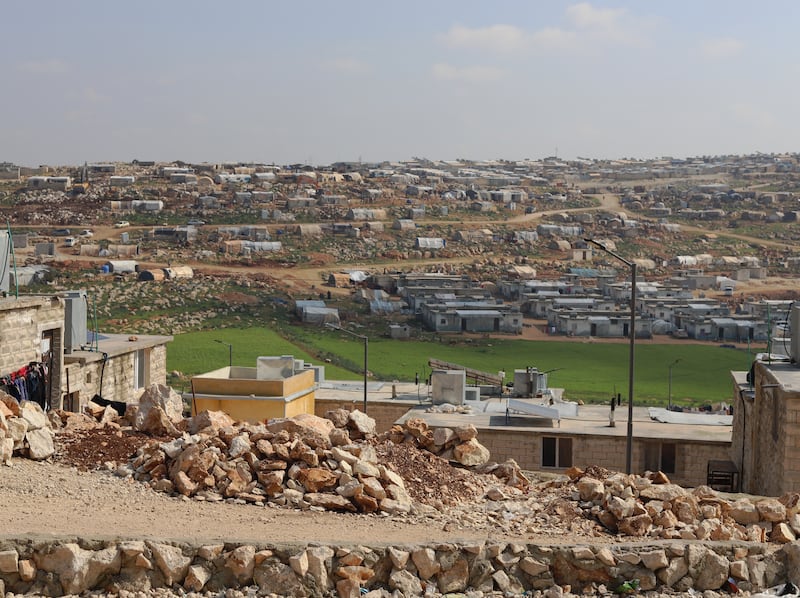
(45, 499)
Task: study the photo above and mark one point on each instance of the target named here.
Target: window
(443, 321)
(556, 452)
(660, 456)
(141, 370)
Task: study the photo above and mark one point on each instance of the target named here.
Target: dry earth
(77, 494)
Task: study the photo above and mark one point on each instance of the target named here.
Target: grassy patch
(591, 372)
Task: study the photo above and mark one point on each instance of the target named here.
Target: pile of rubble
(338, 463)
(24, 430)
(650, 506)
(334, 463)
(459, 445)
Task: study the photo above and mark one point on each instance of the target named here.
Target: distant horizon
(411, 159)
(313, 82)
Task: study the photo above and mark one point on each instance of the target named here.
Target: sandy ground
(45, 499)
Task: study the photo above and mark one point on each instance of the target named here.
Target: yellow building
(277, 387)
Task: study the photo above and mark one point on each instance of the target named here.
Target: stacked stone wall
(54, 567)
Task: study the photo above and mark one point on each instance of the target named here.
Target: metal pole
(632, 266)
(365, 338)
(366, 352)
(230, 356)
(669, 392)
(629, 448)
(669, 399)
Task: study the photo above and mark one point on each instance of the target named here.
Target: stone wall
(54, 567)
(525, 447)
(158, 365)
(22, 323)
(118, 378)
(771, 434)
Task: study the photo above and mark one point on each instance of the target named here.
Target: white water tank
(75, 313)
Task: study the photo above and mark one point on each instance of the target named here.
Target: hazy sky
(325, 81)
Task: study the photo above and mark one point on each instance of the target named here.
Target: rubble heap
(24, 430)
(651, 506)
(305, 462)
(459, 445)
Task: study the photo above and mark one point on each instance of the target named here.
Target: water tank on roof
(75, 332)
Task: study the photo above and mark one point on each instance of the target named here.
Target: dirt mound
(430, 479)
(92, 448)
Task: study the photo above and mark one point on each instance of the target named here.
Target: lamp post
(230, 351)
(669, 392)
(632, 331)
(364, 338)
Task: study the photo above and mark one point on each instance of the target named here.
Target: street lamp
(230, 351)
(632, 266)
(669, 393)
(364, 338)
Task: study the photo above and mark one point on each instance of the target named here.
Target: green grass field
(591, 372)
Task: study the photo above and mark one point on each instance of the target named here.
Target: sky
(320, 81)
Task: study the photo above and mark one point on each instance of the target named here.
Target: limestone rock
(273, 577)
(9, 560)
(591, 489)
(663, 492)
(425, 561)
(6, 450)
(532, 566)
(299, 563)
(471, 453)
(348, 588)
(339, 417)
(196, 578)
(319, 561)
(398, 557)
(78, 569)
(156, 422)
(361, 424)
(619, 507)
(357, 573)
(507, 584)
(241, 562)
(33, 414)
(743, 512)
(314, 431)
(27, 570)
(10, 405)
(332, 502)
(240, 445)
(714, 572)
(170, 561)
(782, 534)
(771, 509)
(163, 398)
(443, 436)
(214, 420)
(454, 579)
(40, 443)
(654, 559)
(407, 583)
(466, 432)
(315, 479)
(16, 430)
(637, 525)
(677, 569)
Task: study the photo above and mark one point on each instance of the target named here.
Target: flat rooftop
(490, 413)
